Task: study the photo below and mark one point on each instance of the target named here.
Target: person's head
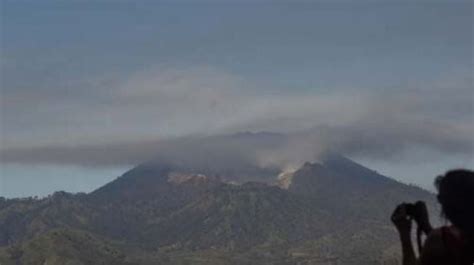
(456, 196)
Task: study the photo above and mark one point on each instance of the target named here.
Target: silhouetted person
(447, 245)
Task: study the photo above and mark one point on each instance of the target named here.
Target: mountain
(64, 246)
(240, 217)
(340, 184)
(327, 212)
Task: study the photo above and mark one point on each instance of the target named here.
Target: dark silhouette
(448, 245)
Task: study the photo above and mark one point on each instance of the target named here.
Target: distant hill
(332, 211)
(64, 246)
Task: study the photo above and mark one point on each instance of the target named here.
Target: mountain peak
(177, 177)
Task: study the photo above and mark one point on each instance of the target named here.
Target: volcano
(334, 211)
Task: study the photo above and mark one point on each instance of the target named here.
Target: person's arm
(408, 252)
(403, 224)
(422, 217)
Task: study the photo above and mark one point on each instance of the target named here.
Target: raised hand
(422, 217)
(401, 219)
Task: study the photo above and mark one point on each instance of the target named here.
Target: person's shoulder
(435, 239)
(434, 250)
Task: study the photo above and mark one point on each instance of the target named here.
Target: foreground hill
(335, 211)
(64, 246)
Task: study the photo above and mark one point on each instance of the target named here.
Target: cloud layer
(176, 113)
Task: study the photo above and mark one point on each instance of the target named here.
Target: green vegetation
(331, 213)
(63, 247)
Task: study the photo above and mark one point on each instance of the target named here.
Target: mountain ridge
(166, 212)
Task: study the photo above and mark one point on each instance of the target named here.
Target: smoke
(285, 151)
(290, 154)
(195, 113)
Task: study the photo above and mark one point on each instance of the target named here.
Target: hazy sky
(391, 83)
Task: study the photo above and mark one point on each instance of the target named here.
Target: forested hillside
(333, 212)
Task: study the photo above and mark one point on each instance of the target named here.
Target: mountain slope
(64, 246)
(239, 217)
(339, 184)
(332, 211)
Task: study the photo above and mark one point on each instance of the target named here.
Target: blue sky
(88, 73)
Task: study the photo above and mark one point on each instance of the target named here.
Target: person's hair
(456, 196)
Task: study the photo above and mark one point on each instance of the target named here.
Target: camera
(412, 209)
(417, 211)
